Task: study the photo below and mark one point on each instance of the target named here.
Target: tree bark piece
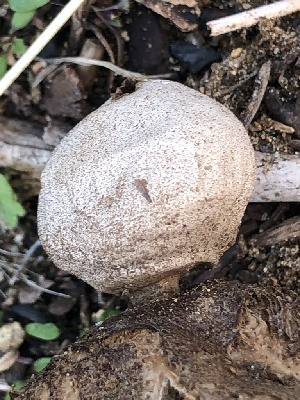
(218, 341)
(183, 13)
(260, 85)
(26, 146)
(21, 146)
(289, 229)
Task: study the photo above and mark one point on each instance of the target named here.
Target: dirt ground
(139, 39)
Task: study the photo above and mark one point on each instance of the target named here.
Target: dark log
(218, 341)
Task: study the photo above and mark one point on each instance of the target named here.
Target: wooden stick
(252, 17)
(278, 178)
(36, 47)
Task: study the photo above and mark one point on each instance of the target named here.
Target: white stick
(252, 17)
(278, 178)
(39, 44)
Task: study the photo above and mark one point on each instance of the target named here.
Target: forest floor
(47, 99)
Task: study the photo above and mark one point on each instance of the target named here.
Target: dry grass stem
(105, 64)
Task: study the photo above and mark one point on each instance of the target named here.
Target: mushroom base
(158, 291)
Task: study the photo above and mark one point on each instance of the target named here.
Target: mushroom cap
(145, 187)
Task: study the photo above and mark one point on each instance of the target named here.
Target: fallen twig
(28, 254)
(252, 17)
(278, 178)
(13, 269)
(44, 290)
(14, 272)
(10, 253)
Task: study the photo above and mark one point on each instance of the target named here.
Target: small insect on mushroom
(120, 187)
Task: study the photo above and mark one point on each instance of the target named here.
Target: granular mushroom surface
(145, 187)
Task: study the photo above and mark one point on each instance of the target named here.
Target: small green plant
(38, 366)
(24, 11)
(41, 363)
(10, 208)
(3, 64)
(10, 46)
(18, 46)
(101, 315)
(109, 313)
(47, 331)
(17, 386)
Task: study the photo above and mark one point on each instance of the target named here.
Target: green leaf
(109, 313)
(41, 363)
(23, 6)
(18, 46)
(3, 65)
(16, 386)
(10, 208)
(20, 20)
(19, 384)
(116, 23)
(48, 331)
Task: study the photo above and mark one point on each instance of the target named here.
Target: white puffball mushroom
(146, 187)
